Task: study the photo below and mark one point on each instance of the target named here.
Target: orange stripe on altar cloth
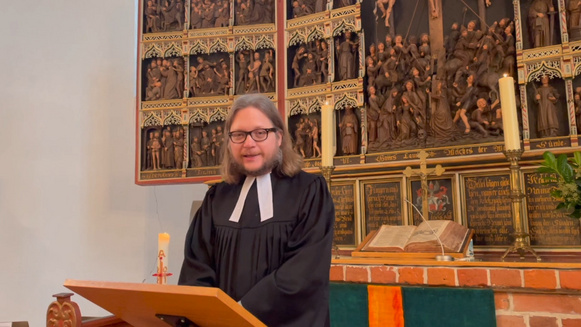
(385, 306)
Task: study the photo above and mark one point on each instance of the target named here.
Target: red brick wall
(524, 297)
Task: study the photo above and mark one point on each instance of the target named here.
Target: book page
(449, 232)
(391, 236)
(424, 233)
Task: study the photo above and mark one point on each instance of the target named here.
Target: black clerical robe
(278, 269)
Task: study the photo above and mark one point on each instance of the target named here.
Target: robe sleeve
(198, 266)
(296, 294)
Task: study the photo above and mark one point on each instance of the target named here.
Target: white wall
(69, 207)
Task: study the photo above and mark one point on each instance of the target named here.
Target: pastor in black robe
(278, 269)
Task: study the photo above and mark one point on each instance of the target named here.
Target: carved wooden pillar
(571, 112)
(482, 14)
(562, 16)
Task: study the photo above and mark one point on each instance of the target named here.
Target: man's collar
(264, 192)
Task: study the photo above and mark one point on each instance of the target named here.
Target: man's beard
(267, 167)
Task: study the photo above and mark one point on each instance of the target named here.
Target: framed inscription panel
(547, 226)
(487, 207)
(441, 200)
(381, 204)
(344, 198)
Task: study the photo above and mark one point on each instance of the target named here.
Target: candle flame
(505, 75)
(163, 237)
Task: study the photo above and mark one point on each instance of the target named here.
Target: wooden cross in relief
(424, 172)
(437, 27)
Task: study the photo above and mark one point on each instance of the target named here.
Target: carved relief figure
(196, 153)
(385, 7)
(155, 151)
(349, 128)
(242, 60)
(372, 115)
(179, 70)
(315, 138)
(574, 9)
(539, 26)
(478, 119)
(194, 85)
(178, 144)
(466, 101)
(217, 140)
(222, 14)
(320, 5)
(297, 63)
(151, 17)
(149, 152)
(577, 102)
(172, 12)
(434, 9)
(223, 78)
(324, 58)
(167, 154)
(386, 125)
(546, 97)
(254, 12)
(346, 57)
(254, 70)
(164, 79)
(300, 138)
(196, 14)
(310, 70)
(171, 81)
(205, 143)
(405, 122)
(441, 124)
(267, 72)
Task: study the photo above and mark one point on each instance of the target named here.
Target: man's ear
(279, 138)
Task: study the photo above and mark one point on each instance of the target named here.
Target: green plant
(566, 172)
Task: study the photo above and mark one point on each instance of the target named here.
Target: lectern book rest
(145, 304)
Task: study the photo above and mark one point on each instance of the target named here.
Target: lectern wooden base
(145, 304)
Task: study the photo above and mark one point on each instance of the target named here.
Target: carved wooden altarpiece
(407, 75)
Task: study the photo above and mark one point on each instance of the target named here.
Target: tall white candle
(509, 114)
(327, 135)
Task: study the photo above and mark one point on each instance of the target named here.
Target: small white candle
(162, 254)
(509, 115)
(327, 135)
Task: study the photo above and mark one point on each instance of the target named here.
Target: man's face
(255, 158)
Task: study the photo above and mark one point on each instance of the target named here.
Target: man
(264, 234)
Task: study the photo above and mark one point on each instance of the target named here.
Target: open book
(419, 239)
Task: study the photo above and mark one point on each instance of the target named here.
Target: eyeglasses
(258, 135)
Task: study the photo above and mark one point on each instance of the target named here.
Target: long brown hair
(291, 162)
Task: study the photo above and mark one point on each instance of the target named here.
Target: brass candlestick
(327, 172)
(521, 244)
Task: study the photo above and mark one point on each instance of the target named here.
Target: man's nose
(249, 142)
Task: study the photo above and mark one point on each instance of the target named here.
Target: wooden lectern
(165, 305)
